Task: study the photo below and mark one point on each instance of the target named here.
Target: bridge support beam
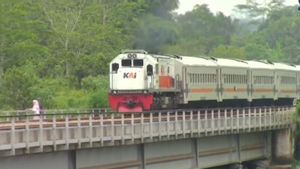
(283, 145)
(59, 160)
(203, 152)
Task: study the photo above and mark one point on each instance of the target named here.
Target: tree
(200, 31)
(22, 35)
(255, 9)
(281, 31)
(229, 52)
(16, 87)
(63, 18)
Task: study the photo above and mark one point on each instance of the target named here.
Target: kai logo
(131, 75)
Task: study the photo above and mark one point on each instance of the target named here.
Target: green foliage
(287, 37)
(229, 52)
(17, 86)
(98, 87)
(91, 83)
(256, 9)
(70, 99)
(98, 99)
(47, 90)
(58, 51)
(200, 31)
(64, 42)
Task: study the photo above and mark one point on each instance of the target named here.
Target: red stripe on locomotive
(130, 102)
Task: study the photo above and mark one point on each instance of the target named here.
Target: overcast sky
(224, 6)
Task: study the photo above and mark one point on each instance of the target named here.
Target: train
(140, 81)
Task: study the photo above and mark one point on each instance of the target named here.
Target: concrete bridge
(181, 139)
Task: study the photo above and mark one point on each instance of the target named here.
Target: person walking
(36, 109)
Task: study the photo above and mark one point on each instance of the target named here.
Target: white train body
(141, 81)
(131, 74)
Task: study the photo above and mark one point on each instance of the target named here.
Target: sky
(224, 6)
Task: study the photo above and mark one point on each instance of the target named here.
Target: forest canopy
(59, 50)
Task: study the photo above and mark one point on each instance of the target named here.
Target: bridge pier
(283, 145)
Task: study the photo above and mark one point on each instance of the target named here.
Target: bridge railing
(59, 131)
(6, 116)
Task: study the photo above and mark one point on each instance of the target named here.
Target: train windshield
(133, 63)
(138, 62)
(126, 62)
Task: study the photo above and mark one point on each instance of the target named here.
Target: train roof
(282, 66)
(297, 67)
(197, 61)
(161, 56)
(210, 61)
(231, 63)
(139, 56)
(259, 65)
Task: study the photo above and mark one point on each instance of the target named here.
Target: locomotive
(141, 82)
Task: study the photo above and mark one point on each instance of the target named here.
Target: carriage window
(288, 80)
(115, 67)
(126, 62)
(138, 62)
(193, 79)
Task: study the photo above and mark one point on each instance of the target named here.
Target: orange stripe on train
(202, 90)
(263, 90)
(235, 90)
(288, 91)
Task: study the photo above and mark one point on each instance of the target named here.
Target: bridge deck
(53, 132)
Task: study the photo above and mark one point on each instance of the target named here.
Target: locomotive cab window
(126, 62)
(149, 70)
(138, 62)
(115, 67)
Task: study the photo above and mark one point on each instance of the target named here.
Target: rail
(57, 131)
